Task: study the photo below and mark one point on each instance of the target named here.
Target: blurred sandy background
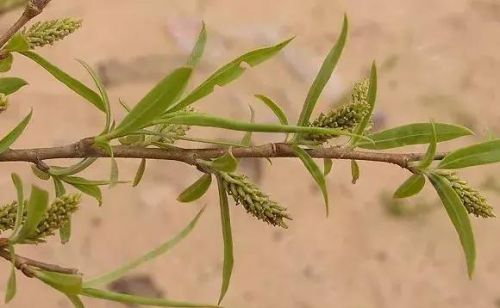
(438, 60)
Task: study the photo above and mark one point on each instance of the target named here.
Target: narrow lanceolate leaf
(82, 181)
(371, 98)
(227, 237)
(474, 155)
(197, 189)
(226, 163)
(11, 137)
(431, 150)
(91, 190)
(66, 283)
(103, 92)
(20, 204)
(140, 172)
(327, 166)
(148, 257)
(200, 119)
(459, 217)
(113, 178)
(9, 85)
(247, 139)
(75, 85)
(275, 108)
(37, 206)
(74, 169)
(412, 186)
(323, 76)
(199, 48)
(11, 291)
(140, 300)
(58, 186)
(154, 103)
(75, 300)
(228, 73)
(416, 133)
(354, 171)
(315, 172)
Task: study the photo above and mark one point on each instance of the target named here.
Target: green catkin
(48, 32)
(474, 202)
(4, 102)
(254, 200)
(346, 117)
(58, 213)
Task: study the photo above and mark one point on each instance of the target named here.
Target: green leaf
(17, 43)
(247, 139)
(39, 173)
(474, 155)
(6, 63)
(91, 190)
(154, 103)
(225, 163)
(18, 183)
(65, 232)
(139, 300)
(74, 169)
(327, 166)
(149, 256)
(75, 85)
(412, 186)
(11, 291)
(75, 300)
(459, 217)
(82, 181)
(417, 133)
(197, 189)
(227, 236)
(323, 76)
(58, 187)
(140, 172)
(9, 85)
(431, 150)
(354, 171)
(11, 137)
(228, 73)
(113, 179)
(315, 173)
(66, 283)
(200, 119)
(275, 108)
(371, 97)
(104, 95)
(37, 206)
(199, 48)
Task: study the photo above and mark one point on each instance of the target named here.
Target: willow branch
(26, 265)
(85, 148)
(33, 9)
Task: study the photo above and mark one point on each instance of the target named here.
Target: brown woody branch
(85, 148)
(33, 9)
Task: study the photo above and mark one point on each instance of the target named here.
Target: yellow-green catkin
(345, 117)
(58, 213)
(4, 102)
(48, 32)
(474, 202)
(254, 200)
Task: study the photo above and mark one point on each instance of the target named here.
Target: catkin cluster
(474, 202)
(48, 32)
(254, 200)
(345, 117)
(57, 215)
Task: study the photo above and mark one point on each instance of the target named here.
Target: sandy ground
(439, 60)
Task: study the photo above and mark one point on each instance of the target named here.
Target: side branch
(85, 148)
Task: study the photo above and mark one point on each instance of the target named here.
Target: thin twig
(33, 9)
(26, 265)
(84, 149)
